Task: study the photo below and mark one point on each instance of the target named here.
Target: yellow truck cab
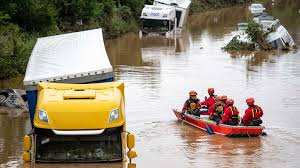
(77, 111)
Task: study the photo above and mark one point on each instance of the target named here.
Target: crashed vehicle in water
(278, 37)
(158, 20)
(164, 17)
(263, 19)
(256, 8)
(76, 110)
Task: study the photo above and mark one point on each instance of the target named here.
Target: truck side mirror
(27, 143)
(131, 154)
(130, 141)
(131, 165)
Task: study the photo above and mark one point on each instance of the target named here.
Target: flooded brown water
(158, 74)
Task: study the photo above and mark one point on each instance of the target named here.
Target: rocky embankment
(13, 101)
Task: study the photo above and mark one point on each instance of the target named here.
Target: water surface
(158, 75)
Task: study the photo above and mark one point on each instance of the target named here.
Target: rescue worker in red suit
(253, 114)
(192, 105)
(224, 100)
(216, 111)
(231, 114)
(211, 100)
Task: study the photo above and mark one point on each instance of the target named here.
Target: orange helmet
(193, 93)
(250, 101)
(224, 98)
(230, 102)
(211, 91)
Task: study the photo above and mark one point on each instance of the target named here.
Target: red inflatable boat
(210, 126)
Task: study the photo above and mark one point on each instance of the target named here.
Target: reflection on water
(158, 74)
(75, 165)
(130, 50)
(12, 130)
(258, 58)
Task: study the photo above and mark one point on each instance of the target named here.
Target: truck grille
(106, 147)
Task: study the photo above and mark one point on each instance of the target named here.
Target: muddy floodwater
(158, 74)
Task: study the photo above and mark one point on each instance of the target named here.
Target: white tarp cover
(181, 3)
(67, 56)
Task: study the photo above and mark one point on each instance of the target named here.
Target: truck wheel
(3, 97)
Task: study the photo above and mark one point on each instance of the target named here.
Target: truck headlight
(43, 115)
(165, 15)
(144, 14)
(114, 115)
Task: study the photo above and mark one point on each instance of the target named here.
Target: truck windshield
(152, 25)
(91, 148)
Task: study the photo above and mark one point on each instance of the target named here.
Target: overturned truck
(77, 111)
(164, 18)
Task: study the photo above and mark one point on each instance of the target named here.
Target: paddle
(209, 130)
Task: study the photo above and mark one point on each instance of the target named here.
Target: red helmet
(224, 98)
(211, 90)
(193, 93)
(230, 102)
(250, 101)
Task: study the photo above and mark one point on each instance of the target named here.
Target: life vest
(192, 104)
(255, 112)
(219, 110)
(234, 117)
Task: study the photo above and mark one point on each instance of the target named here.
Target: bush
(257, 35)
(136, 6)
(118, 26)
(125, 13)
(15, 49)
(237, 45)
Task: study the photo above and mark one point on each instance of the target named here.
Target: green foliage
(136, 6)
(125, 13)
(32, 15)
(118, 26)
(15, 48)
(257, 35)
(237, 45)
(3, 18)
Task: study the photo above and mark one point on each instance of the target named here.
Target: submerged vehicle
(264, 20)
(205, 123)
(240, 33)
(158, 20)
(279, 37)
(256, 8)
(76, 110)
(161, 19)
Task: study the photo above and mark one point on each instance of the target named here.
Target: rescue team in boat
(222, 110)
